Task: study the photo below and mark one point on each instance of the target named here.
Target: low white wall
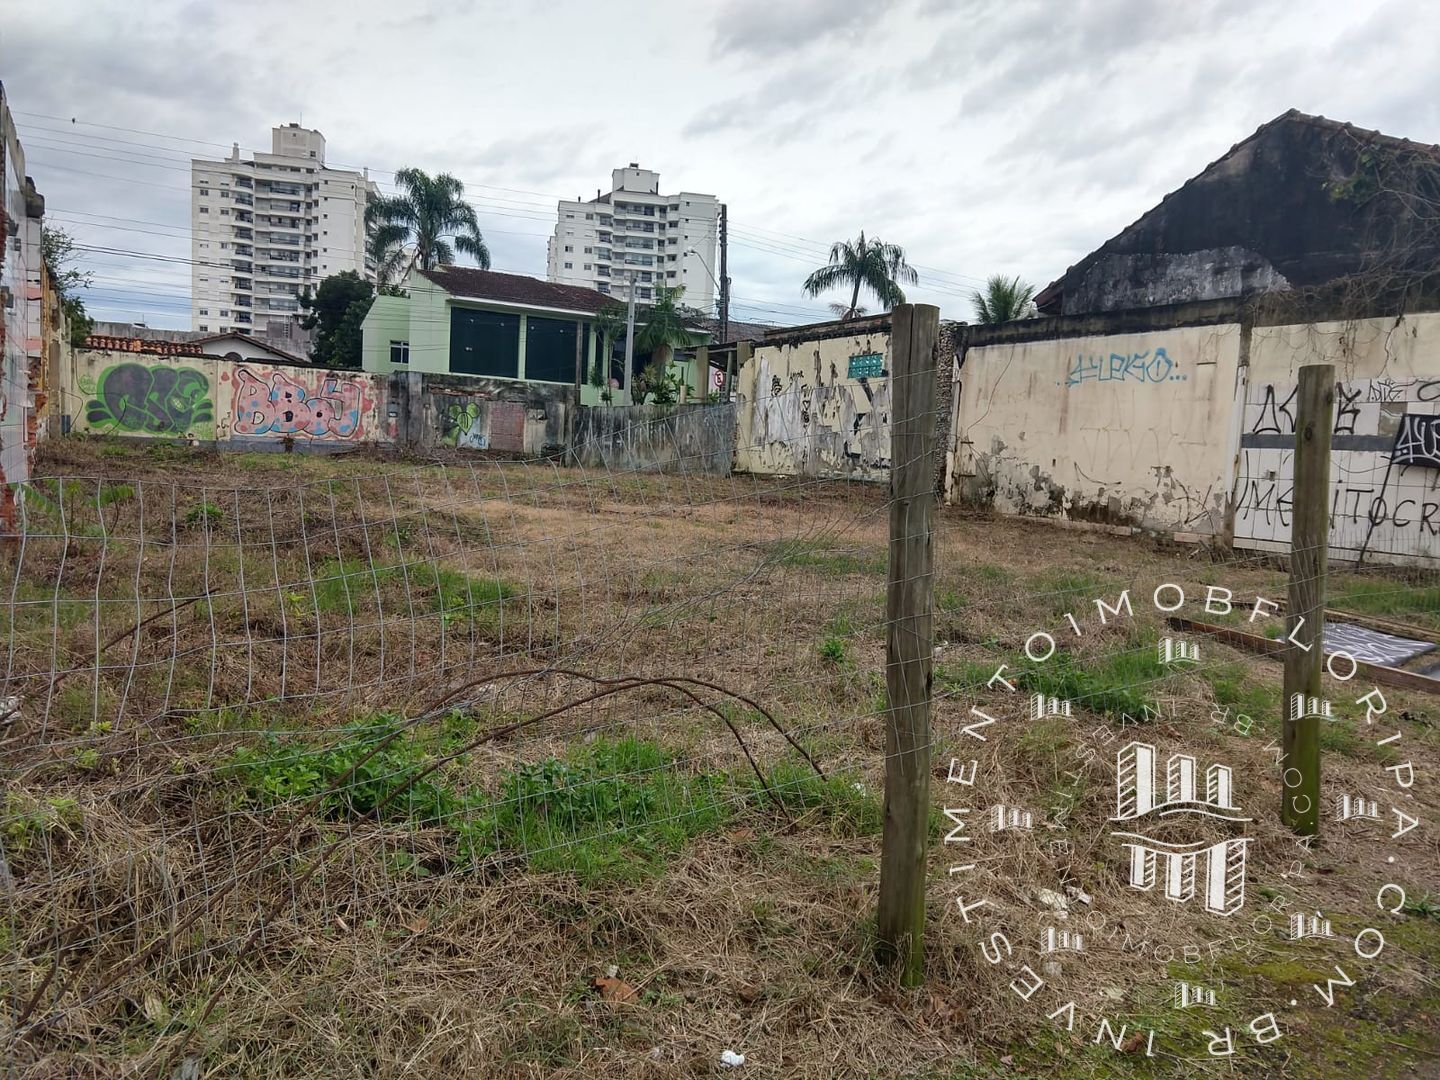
(1127, 429)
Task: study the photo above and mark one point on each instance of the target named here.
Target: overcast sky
(984, 136)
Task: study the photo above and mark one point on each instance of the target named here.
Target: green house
(480, 323)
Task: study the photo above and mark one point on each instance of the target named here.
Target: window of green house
(484, 343)
(550, 349)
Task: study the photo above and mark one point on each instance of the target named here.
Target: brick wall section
(507, 426)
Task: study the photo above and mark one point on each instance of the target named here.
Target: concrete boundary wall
(817, 403)
(207, 399)
(1179, 420)
(696, 439)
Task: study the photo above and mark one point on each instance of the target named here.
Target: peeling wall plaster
(801, 413)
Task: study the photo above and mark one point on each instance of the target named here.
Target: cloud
(983, 135)
(767, 28)
(772, 109)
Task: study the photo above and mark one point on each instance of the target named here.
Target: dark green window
(550, 349)
(484, 343)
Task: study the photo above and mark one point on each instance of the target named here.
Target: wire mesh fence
(356, 767)
(242, 709)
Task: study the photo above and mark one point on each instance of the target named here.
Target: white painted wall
(1385, 368)
(1127, 428)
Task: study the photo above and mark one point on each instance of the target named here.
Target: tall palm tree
(878, 266)
(429, 214)
(1004, 300)
(385, 247)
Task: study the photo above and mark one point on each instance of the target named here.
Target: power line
(787, 247)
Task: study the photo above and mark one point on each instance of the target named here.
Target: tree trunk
(854, 300)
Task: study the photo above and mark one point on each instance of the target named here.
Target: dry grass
(330, 590)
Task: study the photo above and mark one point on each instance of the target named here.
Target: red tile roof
(516, 289)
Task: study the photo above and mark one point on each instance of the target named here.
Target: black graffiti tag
(1276, 417)
(156, 401)
(1418, 441)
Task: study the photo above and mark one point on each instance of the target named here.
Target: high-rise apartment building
(263, 229)
(635, 237)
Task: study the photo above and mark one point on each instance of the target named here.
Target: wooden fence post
(1305, 612)
(900, 923)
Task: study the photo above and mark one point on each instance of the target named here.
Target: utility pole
(724, 283)
(629, 340)
(724, 279)
(1305, 611)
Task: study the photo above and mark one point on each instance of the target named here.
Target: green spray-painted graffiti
(153, 401)
(460, 427)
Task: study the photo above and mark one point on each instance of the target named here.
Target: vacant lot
(357, 767)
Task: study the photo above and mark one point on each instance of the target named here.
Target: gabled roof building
(1303, 203)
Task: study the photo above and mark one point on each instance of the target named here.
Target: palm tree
(1004, 300)
(431, 216)
(878, 266)
(385, 247)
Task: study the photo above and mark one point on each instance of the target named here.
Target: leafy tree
(57, 249)
(335, 313)
(429, 214)
(1004, 300)
(874, 264)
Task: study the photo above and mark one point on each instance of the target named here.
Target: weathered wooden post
(900, 925)
(1305, 612)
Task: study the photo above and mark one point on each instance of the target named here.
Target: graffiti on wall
(1143, 366)
(1276, 415)
(1418, 441)
(462, 426)
(1384, 488)
(278, 404)
(819, 426)
(157, 400)
(1358, 501)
